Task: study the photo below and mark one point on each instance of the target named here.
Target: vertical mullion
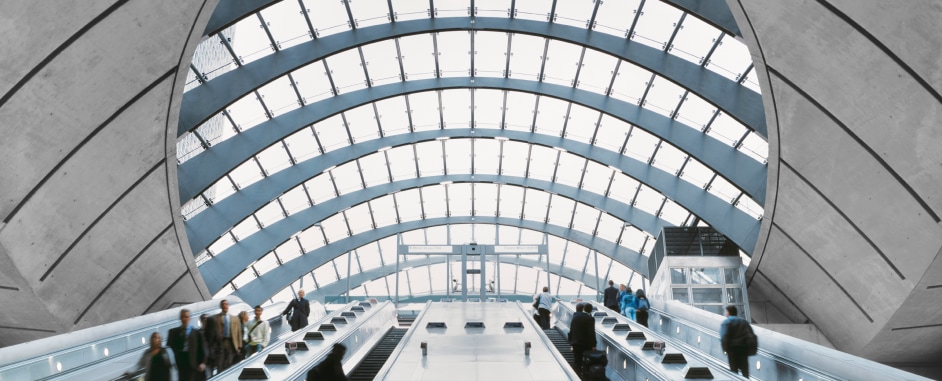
(575, 80)
(346, 222)
(294, 86)
(441, 111)
(595, 11)
(271, 39)
(435, 53)
(582, 175)
(422, 203)
(388, 167)
(634, 22)
(536, 112)
(346, 127)
(310, 201)
(369, 207)
(508, 53)
(523, 202)
(261, 101)
(566, 118)
(654, 154)
(544, 58)
(611, 83)
(680, 24)
(379, 123)
(416, 156)
(353, 23)
(360, 172)
(447, 201)
(330, 174)
(683, 99)
(497, 210)
(716, 42)
(595, 133)
(647, 89)
(402, 70)
(409, 113)
(330, 77)
(363, 63)
(228, 45)
(307, 19)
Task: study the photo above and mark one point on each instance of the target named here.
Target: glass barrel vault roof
(457, 154)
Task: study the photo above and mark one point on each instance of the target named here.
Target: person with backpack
(739, 341)
(628, 304)
(641, 308)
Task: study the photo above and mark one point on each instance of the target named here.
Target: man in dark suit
(178, 339)
(189, 349)
(298, 311)
(611, 297)
(581, 334)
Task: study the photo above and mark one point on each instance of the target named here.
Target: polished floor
(489, 353)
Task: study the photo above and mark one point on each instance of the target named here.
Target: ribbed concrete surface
(88, 190)
(851, 236)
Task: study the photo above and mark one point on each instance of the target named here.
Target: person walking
(229, 335)
(189, 349)
(298, 311)
(544, 302)
(581, 334)
(611, 297)
(331, 369)
(739, 341)
(259, 334)
(157, 361)
(628, 304)
(642, 305)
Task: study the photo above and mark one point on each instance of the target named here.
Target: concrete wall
(851, 238)
(89, 99)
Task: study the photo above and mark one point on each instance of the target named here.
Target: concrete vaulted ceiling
(849, 239)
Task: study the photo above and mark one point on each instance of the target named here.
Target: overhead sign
(516, 249)
(429, 249)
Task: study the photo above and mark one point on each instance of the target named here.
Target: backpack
(594, 363)
(643, 304)
(752, 342)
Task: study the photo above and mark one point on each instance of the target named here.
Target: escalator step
(377, 357)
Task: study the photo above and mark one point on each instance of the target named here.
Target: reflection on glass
(678, 275)
(732, 275)
(706, 276)
(734, 295)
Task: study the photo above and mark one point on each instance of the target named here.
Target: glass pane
(714, 309)
(732, 276)
(707, 295)
(709, 275)
(681, 294)
(678, 275)
(734, 295)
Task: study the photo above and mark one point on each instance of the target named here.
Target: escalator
(377, 357)
(562, 344)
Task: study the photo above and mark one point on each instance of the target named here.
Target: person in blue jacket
(628, 304)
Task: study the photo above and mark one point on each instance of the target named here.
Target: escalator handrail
(640, 361)
(284, 338)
